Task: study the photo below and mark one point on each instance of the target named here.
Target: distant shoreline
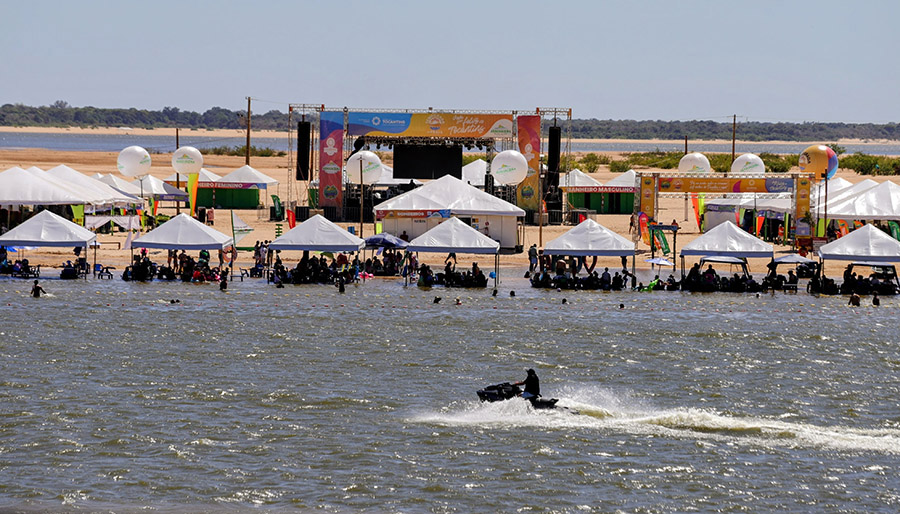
(170, 132)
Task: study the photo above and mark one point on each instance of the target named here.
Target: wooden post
(733, 134)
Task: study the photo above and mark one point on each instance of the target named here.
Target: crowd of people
(178, 266)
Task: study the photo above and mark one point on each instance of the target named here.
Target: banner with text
(331, 158)
(725, 185)
(429, 124)
(529, 130)
(648, 195)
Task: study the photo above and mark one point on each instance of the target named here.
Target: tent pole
(496, 270)
(95, 262)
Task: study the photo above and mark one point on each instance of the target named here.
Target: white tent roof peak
(120, 184)
(108, 194)
(451, 193)
(473, 173)
(320, 235)
(626, 179)
(728, 240)
(47, 229)
(183, 232)
(150, 187)
(881, 202)
(204, 176)
(590, 238)
(247, 175)
(20, 187)
(576, 179)
(453, 235)
(866, 243)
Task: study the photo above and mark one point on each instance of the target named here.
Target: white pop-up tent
(881, 202)
(842, 195)
(152, 187)
(728, 240)
(453, 235)
(107, 193)
(48, 229)
(19, 187)
(119, 184)
(473, 173)
(866, 243)
(183, 232)
(590, 238)
(421, 209)
(387, 178)
(319, 235)
(246, 175)
(577, 181)
(205, 178)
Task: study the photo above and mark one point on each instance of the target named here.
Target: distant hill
(61, 114)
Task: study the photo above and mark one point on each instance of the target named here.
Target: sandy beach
(292, 191)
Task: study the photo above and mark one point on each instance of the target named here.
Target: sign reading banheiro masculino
(429, 124)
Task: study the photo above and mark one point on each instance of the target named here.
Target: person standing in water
(37, 290)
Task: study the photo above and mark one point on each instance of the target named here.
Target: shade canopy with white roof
(152, 187)
(624, 183)
(793, 258)
(881, 202)
(183, 232)
(473, 173)
(19, 187)
(577, 181)
(246, 177)
(387, 178)
(47, 229)
(866, 243)
(119, 184)
(108, 194)
(728, 240)
(421, 209)
(205, 178)
(453, 235)
(842, 195)
(320, 235)
(590, 238)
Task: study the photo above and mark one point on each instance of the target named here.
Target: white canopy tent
(863, 244)
(205, 176)
(473, 173)
(119, 184)
(152, 187)
(247, 175)
(320, 235)
(590, 238)
(624, 183)
(48, 229)
(109, 194)
(728, 240)
(842, 195)
(387, 178)
(881, 202)
(454, 235)
(183, 232)
(19, 187)
(421, 209)
(90, 195)
(577, 181)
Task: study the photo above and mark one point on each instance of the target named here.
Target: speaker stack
(304, 131)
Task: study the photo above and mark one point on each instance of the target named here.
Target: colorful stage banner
(429, 124)
(331, 158)
(648, 195)
(529, 130)
(801, 198)
(725, 185)
(193, 180)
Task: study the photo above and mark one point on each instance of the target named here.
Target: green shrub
(619, 166)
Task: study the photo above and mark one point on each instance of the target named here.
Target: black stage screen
(427, 161)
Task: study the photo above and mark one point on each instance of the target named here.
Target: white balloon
(748, 163)
(187, 160)
(133, 161)
(371, 167)
(509, 167)
(693, 163)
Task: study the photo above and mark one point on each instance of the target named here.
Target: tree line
(61, 114)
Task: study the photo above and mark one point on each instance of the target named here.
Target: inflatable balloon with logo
(819, 160)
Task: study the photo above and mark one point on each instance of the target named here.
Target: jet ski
(507, 391)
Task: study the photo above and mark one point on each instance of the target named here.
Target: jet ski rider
(532, 386)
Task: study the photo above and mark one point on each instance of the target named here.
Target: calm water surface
(302, 399)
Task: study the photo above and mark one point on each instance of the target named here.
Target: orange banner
(648, 194)
(529, 131)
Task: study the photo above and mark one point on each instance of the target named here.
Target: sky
(762, 60)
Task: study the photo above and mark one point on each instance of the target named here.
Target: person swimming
(37, 290)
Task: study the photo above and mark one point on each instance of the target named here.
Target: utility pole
(177, 175)
(247, 158)
(733, 134)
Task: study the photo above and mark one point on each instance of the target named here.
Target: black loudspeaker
(304, 129)
(553, 178)
(553, 150)
(489, 184)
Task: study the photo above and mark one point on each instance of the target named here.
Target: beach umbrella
(660, 261)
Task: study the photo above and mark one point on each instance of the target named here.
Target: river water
(163, 144)
(303, 399)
